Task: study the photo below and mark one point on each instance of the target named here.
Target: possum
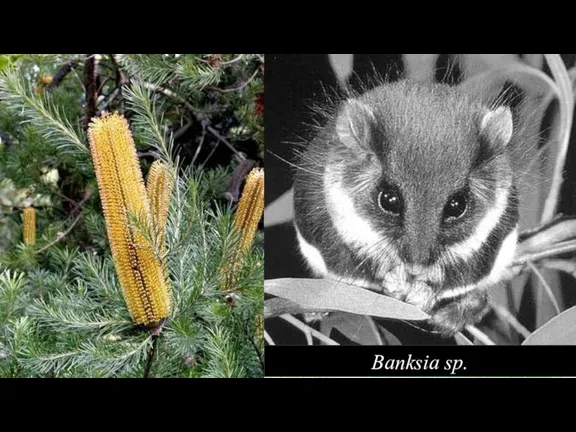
(411, 189)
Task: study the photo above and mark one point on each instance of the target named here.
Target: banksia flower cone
(250, 208)
(29, 226)
(45, 80)
(124, 199)
(159, 187)
(246, 219)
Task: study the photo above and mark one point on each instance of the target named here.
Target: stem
(481, 336)
(374, 329)
(545, 286)
(91, 88)
(305, 328)
(62, 236)
(507, 317)
(199, 147)
(250, 338)
(268, 338)
(559, 248)
(195, 111)
(240, 173)
(566, 102)
(258, 352)
(463, 339)
(61, 73)
(225, 141)
(243, 85)
(151, 354)
(234, 60)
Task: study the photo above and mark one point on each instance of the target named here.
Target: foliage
(62, 313)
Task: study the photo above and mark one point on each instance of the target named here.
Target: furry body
(424, 143)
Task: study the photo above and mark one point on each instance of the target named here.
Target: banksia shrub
(124, 280)
(124, 198)
(29, 226)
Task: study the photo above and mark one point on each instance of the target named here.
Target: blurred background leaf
(560, 330)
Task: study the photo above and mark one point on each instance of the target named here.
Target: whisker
(294, 165)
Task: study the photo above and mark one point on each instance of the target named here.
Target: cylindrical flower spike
(29, 226)
(246, 219)
(250, 208)
(159, 187)
(129, 221)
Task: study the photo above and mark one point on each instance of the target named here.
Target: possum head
(418, 180)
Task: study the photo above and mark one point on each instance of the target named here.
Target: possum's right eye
(389, 201)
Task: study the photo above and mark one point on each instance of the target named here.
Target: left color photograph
(131, 202)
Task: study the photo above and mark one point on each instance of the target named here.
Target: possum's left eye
(456, 206)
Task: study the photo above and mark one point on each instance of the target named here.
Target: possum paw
(450, 317)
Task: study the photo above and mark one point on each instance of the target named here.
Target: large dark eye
(456, 206)
(389, 201)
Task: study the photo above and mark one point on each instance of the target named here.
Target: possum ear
(353, 123)
(497, 126)
(484, 87)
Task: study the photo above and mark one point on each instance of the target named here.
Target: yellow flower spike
(246, 219)
(46, 80)
(124, 199)
(250, 208)
(159, 187)
(29, 226)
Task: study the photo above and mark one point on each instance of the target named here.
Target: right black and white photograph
(420, 199)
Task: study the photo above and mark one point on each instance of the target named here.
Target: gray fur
(430, 141)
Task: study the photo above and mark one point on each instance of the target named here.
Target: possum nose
(418, 255)
(414, 272)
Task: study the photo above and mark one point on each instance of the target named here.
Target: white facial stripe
(501, 263)
(505, 257)
(353, 229)
(316, 263)
(466, 248)
(312, 256)
(456, 292)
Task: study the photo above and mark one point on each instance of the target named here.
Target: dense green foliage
(61, 306)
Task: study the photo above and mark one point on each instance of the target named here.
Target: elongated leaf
(326, 294)
(562, 265)
(420, 67)
(280, 306)
(462, 340)
(560, 330)
(562, 132)
(358, 329)
(342, 66)
(280, 210)
(556, 232)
